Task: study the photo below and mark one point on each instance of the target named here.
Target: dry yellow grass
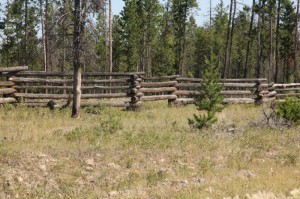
(151, 153)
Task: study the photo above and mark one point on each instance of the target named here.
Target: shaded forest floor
(151, 153)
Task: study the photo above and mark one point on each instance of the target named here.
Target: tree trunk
(270, 76)
(249, 40)
(277, 43)
(231, 38)
(110, 37)
(296, 74)
(26, 34)
(79, 16)
(258, 58)
(225, 71)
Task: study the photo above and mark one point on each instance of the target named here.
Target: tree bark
(225, 71)
(231, 39)
(258, 58)
(270, 76)
(249, 41)
(296, 74)
(110, 37)
(277, 43)
(78, 23)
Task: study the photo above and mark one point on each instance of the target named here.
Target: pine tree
(209, 96)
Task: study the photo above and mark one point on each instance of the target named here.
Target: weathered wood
(280, 95)
(162, 77)
(158, 90)
(184, 101)
(286, 85)
(188, 85)
(239, 85)
(185, 93)
(237, 92)
(4, 91)
(199, 80)
(13, 69)
(271, 94)
(287, 89)
(158, 84)
(158, 97)
(43, 73)
(61, 81)
(64, 96)
(7, 83)
(238, 101)
(186, 79)
(7, 100)
(109, 104)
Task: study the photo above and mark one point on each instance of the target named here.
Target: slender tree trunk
(43, 35)
(110, 37)
(210, 16)
(47, 54)
(296, 74)
(249, 41)
(270, 76)
(277, 43)
(26, 34)
(79, 17)
(231, 39)
(225, 71)
(258, 58)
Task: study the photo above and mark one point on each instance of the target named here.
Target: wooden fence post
(134, 87)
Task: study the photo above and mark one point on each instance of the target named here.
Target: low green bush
(289, 110)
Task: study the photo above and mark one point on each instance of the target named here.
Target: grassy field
(151, 153)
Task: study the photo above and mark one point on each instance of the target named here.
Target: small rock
(90, 162)
(42, 167)
(113, 166)
(20, 179)
(199, 180)
(113, 193)
(89, 169)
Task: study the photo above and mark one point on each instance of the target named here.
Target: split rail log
(159, 97)
(7, 83)
(158, 84)
(86, 74)
(238, 100)
(7, 91)
(64, 96)
(7, 100)
(61, 81)
(13, 69)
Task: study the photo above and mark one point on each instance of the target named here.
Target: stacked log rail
(287, 90)
(6, 86)
(159, 88)
(32, 86)
(234, 90)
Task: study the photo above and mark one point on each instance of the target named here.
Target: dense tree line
(159, 38)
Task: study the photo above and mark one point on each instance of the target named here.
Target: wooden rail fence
(36, 88)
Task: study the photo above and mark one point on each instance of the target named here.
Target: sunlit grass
(148, 153)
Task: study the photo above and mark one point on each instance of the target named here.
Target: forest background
(256, 39)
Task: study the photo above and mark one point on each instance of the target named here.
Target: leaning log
(13, 69)
(7, 100)
(158, 97)
(286, 85)
(4, 91)
(43, 73)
